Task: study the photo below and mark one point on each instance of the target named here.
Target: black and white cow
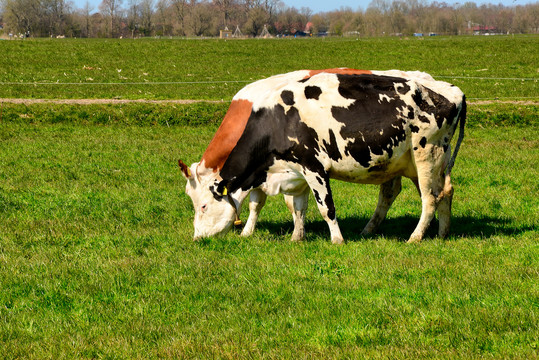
(293, 132)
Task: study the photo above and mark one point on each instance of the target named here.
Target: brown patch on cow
(228, 134)
(339, 71)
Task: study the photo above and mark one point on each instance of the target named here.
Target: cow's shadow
(401, 228)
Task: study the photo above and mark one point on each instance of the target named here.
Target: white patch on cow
(416, 75)
(384, 97)
(284, 177)
(294, 140)
(267, 92)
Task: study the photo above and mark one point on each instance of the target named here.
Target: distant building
(478, 29)
(225, 34)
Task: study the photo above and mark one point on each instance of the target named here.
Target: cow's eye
(204, 208)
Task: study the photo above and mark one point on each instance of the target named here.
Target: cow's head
(214, 210)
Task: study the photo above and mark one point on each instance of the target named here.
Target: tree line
(137, 18)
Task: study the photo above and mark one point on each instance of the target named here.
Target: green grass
(96, 256)
(97, 261)
(205, 113)
(217, 69)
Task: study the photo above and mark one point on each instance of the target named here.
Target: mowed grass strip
(216, 69)
(96, 257)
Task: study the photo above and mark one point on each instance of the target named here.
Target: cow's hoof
(296, 238)
(366, 232)
(414, 240)
(337, 241)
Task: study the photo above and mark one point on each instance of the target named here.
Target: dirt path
(142, 101)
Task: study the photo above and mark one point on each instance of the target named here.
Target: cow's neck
(227, 135)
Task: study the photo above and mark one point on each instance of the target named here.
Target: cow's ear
(185, 170)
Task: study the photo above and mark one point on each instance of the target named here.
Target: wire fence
(213, 82)
(233, 81)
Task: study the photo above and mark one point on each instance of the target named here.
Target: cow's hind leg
(257, 199)
(324, 199)
(388, 193)
(431, 180)
(297, 205)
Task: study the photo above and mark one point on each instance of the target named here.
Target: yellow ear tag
(189, 172)
(225, 192)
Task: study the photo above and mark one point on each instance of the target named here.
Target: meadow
(96, 255)
(217, 69)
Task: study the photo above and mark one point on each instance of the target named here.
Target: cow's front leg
(257, 199)
(297, 205)
(322, 193)
(388, 193)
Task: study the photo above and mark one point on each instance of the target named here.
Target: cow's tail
(462, 119)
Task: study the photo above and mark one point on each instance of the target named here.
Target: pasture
(217, 69)
(96, 256)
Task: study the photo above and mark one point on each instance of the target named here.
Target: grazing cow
(293, 132)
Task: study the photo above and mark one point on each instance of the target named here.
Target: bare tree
(180, 10)
(163, 20)
(86, 13)
(23, 16)
(111, 8)
(200, 19)
(225, 8)
(256, 19)
(146, 14)
(204, 17)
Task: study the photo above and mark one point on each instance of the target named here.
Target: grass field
(96, 256)
(216, 69)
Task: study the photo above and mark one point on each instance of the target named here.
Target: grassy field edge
(202, 113)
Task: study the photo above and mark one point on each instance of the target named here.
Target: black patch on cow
(423, 142)
(317, 196)
(288, 97)
(446, 146)
(319, 179)
(442, 109)
(266, 139)
(312, 92)
(331, 148)
(217, 194)
(370, 125)
(415, 129)
(404, 89)
(418, 97)
(411, 113)
(330, 206)
(424, 119)
(378, 168)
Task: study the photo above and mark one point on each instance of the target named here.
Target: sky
(328, 5)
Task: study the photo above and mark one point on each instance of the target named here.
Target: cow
(292, 133)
